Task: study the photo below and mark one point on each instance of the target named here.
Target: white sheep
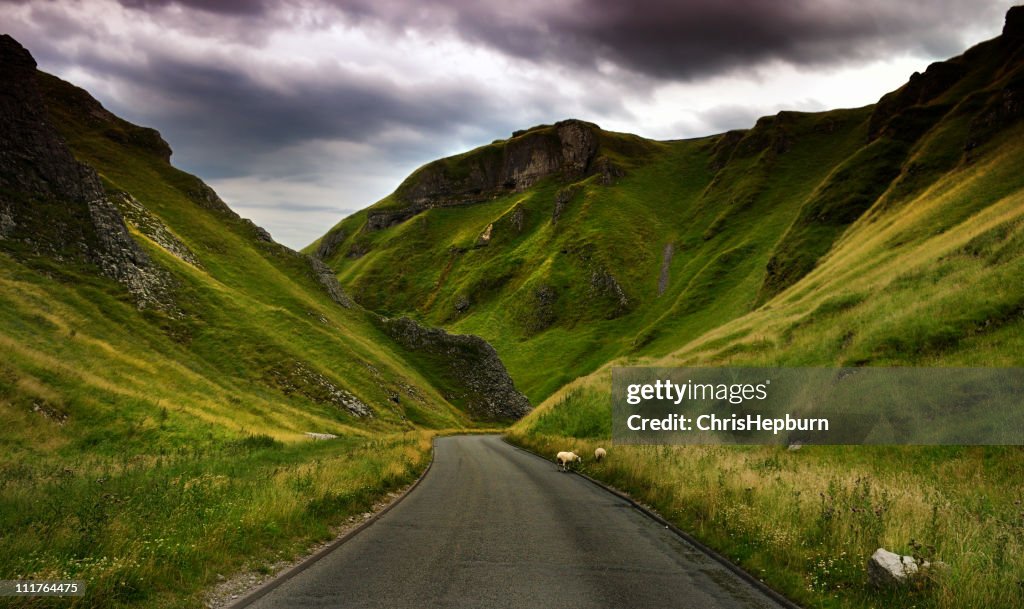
(565, 457)
(600, 454)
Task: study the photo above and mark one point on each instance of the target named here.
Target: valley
(183, 398)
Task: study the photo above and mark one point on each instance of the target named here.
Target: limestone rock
(259, 232)
(562, 199)
(148, 224)
(485, 236)
(480, 380)
(326, 278)
(329, 244)
(603, 284)
(1013, 28)
(887, 569)
(567, 149)
(295, 377)
(54, 204)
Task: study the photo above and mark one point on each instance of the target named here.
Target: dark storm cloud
(226, 118)
(224, 7)
(693, 38)
(658, 38)
(653, 40)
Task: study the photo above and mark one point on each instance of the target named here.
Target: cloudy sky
(300, 112)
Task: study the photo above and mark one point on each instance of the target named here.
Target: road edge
(720, 558)
(270, 585)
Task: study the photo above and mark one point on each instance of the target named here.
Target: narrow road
(492, 526)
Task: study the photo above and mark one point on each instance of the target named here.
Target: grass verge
(156, 530)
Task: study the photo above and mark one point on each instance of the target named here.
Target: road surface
(493, 526)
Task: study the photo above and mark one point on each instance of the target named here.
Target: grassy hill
(654, 245)
(164, 360)
(884, 235)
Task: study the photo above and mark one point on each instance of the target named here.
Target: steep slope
(164, 359)
(131, 291)
(567, 246)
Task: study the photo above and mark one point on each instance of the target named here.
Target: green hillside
(164, 360)
(652, 245)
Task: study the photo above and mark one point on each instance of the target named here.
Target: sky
(301, 112)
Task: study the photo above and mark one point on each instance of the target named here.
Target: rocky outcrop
(485, 237)
(471, 369)
(604, 285)
(1003, 109)
(381, 219)
(890, 570)
(1005, 105)
(1013, 27)
(329, 244)
(541, 312)
(507, 226)
(51, 204)
(723, 148)
(329, 281)
(85, 108)
(562, 199)
(295, 377)
(609, 171)
(121, 259)
(567, 149)
(206, 197)
(34, 161)
(148, 224)
(517, 219)
(258, 232)
(919, 90)
(666, 261)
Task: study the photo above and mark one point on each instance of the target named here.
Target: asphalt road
(492, 526)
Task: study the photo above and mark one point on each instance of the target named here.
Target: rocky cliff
(467, 366)
(568, 149)
(51, 204)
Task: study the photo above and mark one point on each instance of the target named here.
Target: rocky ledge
(568, 149)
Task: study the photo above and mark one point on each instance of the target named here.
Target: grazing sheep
(564, 458)
(600, 454)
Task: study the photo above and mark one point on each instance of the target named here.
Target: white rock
(888, 569)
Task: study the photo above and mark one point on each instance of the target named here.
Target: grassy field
(157, 529)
